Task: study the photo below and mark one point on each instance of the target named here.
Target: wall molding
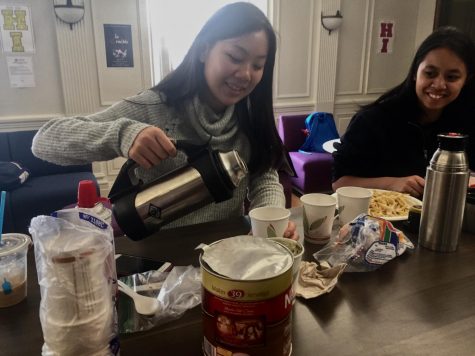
(25, 122)
(294, 108)
(78, 80)
(110, 79)
(325, 82)
(310, 58)
(364, 58)
(302, 89)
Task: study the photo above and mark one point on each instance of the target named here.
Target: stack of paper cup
(77, 308)
(74, 254)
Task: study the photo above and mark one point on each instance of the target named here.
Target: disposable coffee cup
(269, 221)
(13, 268)
(67, 338)
(318, 216)
(352, 201)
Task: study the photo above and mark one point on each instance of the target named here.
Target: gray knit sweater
(110, 133)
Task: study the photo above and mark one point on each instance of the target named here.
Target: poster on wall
(20, 71)
(386, 36)
(118, 40)
(16, 29)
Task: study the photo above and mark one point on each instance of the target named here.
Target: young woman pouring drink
(221, 93)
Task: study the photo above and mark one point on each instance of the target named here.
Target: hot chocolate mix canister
(244, 313)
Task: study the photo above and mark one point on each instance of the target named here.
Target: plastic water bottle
(444, 194)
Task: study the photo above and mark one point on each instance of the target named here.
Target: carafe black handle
(125, 180)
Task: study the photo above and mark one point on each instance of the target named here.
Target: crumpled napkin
(317, 279)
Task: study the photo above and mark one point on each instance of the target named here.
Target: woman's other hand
(413, 185)
(150, 147)
(291, 232)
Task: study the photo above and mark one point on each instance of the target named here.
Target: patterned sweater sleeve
(266, 190)
(98, 137)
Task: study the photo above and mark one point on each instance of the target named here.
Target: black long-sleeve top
(390, 143)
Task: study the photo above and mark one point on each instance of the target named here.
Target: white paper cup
(269, 221)
(352, 201)
(83, 337)
(318, 216)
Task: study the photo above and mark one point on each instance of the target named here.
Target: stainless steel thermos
(444, 194)
(141, 209)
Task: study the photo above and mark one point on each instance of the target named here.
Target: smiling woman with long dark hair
(388, 143)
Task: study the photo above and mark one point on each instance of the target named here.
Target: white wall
(28, 107)
(341, 71)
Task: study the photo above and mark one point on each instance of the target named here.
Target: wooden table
(422, 303)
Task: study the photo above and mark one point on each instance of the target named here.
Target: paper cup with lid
(13, 268)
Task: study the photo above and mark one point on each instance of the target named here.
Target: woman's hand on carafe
(151, 146)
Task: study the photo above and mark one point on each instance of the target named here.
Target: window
(174, 24)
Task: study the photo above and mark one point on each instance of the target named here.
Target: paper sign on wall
(16, 28)
(118, 39)
(386, 37)
(20, 71)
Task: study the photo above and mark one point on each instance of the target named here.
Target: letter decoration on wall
(386, 37)
(16, 29)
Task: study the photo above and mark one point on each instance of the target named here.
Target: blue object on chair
(321, 128)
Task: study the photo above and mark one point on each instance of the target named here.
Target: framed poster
(118, 41)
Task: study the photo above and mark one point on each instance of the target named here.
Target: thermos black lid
(452, 141)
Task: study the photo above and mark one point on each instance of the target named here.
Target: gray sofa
(49, 187)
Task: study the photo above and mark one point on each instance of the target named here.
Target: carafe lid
(452, 141)
(451, 155)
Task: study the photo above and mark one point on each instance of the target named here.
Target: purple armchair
(314, 170)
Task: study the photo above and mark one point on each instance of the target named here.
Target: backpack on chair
(320, 127)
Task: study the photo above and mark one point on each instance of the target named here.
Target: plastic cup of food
(13, 268)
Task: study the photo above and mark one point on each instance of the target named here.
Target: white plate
(328, 146)
(412, 201)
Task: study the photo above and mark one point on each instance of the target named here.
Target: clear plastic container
(13, 268)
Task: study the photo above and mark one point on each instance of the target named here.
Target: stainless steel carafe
(141, 209)
(444, 194)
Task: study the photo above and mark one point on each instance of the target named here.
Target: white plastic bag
(178, 291)
(364, 244)
(74, 253)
